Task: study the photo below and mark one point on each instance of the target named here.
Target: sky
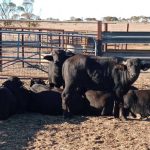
(64, 9)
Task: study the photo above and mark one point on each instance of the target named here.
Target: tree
(90, 19)
(110, 18)
(9, 10)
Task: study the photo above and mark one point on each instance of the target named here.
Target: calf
(101, 102)
(138, 102)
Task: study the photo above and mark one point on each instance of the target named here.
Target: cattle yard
(21, 55)
(22, 48)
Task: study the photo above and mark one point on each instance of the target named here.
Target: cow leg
(116, 109)
(65, 107)
(67, 96)
(121, 112)
(108, 108)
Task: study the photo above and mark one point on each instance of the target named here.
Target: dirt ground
(43, 132)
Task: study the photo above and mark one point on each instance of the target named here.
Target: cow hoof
(122, 118)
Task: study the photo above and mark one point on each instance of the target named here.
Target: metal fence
(21, 49)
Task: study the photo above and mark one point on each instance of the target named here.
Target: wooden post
(105, 29)
(63, 40)
(127, 31)
(51, 40)
(99, 38)
(40, 46)
(59, 39)
(22, 48)
(1, 50)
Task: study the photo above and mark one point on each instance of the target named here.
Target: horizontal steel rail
(126, 37)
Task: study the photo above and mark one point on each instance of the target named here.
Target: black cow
(37, 81)
(8, 103)
(45, 102)
(101, 102)
(21, 94)
(99, 73)
(56, 60)
(138, 102)
(38, 85)
(49, 101)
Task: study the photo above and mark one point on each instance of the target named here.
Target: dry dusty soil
(42, 132)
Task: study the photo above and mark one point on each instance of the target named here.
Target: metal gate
(21, 49)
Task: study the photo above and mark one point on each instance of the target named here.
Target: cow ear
(48, 57)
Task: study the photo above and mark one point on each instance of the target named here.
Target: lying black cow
(21, 94)
(37, 81)
(8, 103)
(38, 85)
(49, 101)
(45, 102)
(56, 60)
(138, 102)
(99, 73)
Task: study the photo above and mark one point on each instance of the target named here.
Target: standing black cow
(7, 103)
(99, 73)
(138, 102)
(56, 60)
(21, 94)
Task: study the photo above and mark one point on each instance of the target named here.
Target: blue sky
(64, 9)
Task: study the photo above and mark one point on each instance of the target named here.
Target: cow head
(36, 81)
(13, 82)
(58, 56)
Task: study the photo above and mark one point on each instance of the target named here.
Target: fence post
(22, 41)
(1, 50)
(105, 29)
(63, 40)
(99, 38)
(40, 45)
(127, 31)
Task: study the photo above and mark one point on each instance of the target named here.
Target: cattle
(38, 85)
(138, 102)
(21, 94)
(37, 81)
(99, 73)
(56, 60)
(101, 102)
(49, 101)
(8, 103)
(45, 102)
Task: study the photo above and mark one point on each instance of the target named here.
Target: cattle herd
(80, 85)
